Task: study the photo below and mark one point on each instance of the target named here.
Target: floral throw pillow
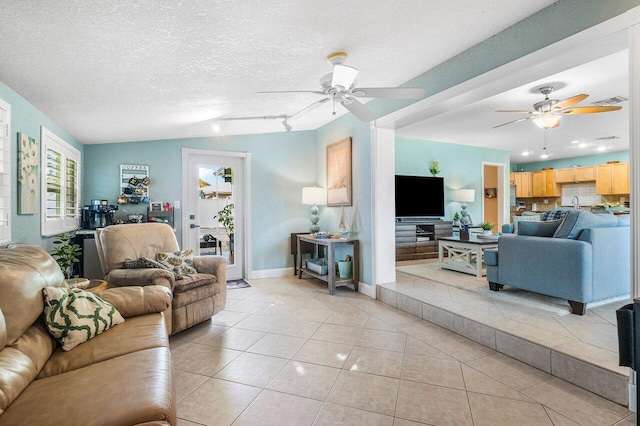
(180, 262)
(74, 316)
(142, 262)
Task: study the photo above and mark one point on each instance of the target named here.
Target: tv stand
(417, 219)
(418, 239)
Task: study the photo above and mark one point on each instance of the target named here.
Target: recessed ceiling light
(525, 153)
(602, 148)
(544, 156)
(576, 141)
(583, 145)
(215, 126)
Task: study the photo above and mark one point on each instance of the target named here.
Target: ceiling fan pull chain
(334, 108)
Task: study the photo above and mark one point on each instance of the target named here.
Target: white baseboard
(270, 273)
(366, 289)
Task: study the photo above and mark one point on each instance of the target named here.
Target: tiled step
(583, 365)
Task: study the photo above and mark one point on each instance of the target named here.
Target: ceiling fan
(339, 86)
(547, 113)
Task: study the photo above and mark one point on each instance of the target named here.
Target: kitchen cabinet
(512, 179)
(537, 184)
(551, 186)
(612, 178)
(576, 174)
(523, 184)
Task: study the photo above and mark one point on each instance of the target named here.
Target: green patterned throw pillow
(74, 316)
(181, 262)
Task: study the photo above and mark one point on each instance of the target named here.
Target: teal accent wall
(25, 118)
(281, 164)
(461, 167)
(587, 160)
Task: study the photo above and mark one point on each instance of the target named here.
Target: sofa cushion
(141, 263)
(539, 229)
(624, 220)
(190, 282)
(577, 220)
(74, 316)
(490, 257)
(555, 215)
(180, 261)
(527, 218)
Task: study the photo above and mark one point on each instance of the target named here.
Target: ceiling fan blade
(317, 92)
(588, 110)
(356, 108)
(569, 102)
(389, 92)
(514, 121)
(343, 76)
(309, 108)
(517, 111)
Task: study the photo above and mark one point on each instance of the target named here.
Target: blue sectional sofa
(583, 258)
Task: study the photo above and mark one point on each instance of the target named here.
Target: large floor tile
(435, 371)
(324, 353)
(228, 318)
(385, 340)
(415, 346)
(278, 325)
(375, 361)
(366, 392)
(333, 414)
(278, 409)
(217, 402)
(233, 338)
(338, 334)
(278, 345)
(478, 382)
(186, 383)
(434, 405)
(252, 369)
(351, 318)
(495, 411)
(306, 380)
(246, 306)
(510, 372)
(202, 359)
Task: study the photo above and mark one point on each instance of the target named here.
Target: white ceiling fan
(339, 86)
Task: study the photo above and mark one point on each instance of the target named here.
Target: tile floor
(284, 352)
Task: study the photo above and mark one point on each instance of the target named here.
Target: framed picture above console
(339, 189)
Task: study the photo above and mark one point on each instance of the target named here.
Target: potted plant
(456, 219)
(435, 168)
(225, 217)
(486, 227)
(66, 253)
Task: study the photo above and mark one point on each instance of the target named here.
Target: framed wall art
(339, 188)
(28, 177)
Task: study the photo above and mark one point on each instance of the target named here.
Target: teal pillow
(539, 229)
(578, 220)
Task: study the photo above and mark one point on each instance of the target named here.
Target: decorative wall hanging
(339, 173)
(134, 183)
(28, 178)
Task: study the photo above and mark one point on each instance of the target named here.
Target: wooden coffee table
(464, 255)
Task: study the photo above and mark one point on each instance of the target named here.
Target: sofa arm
(508, 228)
(135, 301)
(214, 265)
(140, 277)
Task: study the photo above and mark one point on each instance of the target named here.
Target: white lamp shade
(464, 195)
(313, 195)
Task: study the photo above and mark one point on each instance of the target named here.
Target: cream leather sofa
(121, 377)
(196, 298)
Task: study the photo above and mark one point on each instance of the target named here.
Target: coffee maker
(98, 214)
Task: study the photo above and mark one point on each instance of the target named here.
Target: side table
(96, 286)
(330, 277)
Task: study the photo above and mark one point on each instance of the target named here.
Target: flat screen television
(419, 196)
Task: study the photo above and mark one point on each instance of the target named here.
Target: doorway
(214, 197)
(493, 194)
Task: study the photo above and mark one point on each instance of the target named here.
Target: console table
(330, 244)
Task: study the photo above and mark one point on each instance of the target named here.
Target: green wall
(587, 160)
(460, 165)
(25, 118)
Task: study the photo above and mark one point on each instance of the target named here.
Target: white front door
(214, 195)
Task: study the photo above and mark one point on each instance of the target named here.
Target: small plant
(487, 226)
(435, 168)
(225, 217)
(456, 217)
(66, 253)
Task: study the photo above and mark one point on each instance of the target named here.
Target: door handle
(194, 226)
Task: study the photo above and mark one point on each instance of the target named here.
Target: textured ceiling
(111, 71)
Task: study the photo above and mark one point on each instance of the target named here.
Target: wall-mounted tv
(419, 196)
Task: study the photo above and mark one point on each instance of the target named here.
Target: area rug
(432, 271)
(232, 285)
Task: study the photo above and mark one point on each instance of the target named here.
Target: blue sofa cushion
(539, 229)
(577, 220)
(555, 215)
(624, 220)
(490, 257)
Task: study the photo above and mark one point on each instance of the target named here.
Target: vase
(486, 232)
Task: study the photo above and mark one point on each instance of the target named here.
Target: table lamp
(314, 197)
(342, 196)
(464, 196)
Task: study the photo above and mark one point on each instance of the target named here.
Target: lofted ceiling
(577, 135)
(110, 71)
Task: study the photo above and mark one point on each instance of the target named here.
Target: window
(61, 185)
(5, 172)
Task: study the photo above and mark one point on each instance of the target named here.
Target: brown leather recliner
(196, 298)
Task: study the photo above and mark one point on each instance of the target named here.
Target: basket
(319, 266)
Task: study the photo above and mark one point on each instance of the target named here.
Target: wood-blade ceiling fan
(547, 113)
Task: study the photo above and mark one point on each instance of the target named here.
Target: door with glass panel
(214, 207)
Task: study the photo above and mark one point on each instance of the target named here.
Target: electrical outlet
(176, 204)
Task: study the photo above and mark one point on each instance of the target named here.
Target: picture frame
(28, 174)
(155, 206)
(339, 177)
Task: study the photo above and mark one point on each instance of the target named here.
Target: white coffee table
(464, 255)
